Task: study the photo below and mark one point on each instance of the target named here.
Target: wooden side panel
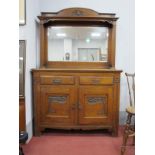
(22, 121)
(36, 103)
(116, 104)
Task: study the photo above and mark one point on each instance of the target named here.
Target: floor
(58, 142)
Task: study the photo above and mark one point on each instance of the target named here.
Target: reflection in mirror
(84, 44)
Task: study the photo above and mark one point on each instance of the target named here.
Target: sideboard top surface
(74, 70)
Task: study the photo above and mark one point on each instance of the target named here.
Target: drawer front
(57, 80)
(93, 80)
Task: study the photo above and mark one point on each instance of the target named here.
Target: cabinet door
(95, 105)
(57, 105)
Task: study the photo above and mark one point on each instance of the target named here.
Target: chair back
(131, 87)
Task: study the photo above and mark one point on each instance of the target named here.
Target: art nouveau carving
(96, 100)
(57, 99)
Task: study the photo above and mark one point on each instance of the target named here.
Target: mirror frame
(77, 17)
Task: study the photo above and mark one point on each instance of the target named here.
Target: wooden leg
(20, 150)
(37, 132)
(128, 121)
(115, 132)
(126, 134)
(125, 138)
(42, 129)
(133, 143)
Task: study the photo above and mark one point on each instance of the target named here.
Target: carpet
(59, 142)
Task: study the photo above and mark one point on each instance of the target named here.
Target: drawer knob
(95, 81)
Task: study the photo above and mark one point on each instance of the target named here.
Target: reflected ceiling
(77, 32)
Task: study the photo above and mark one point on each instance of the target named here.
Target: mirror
(78, 43)
(22, 50)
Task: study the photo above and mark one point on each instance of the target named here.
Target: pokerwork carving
(77, 13)
(96, 100)
(57, 99)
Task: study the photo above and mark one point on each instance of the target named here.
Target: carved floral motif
(57, 99)
(77, 13)
(95, 100)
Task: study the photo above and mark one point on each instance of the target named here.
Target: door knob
(79, 106)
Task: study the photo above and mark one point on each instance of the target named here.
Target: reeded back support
(131, 87)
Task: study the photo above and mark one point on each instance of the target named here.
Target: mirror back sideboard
(77, 85)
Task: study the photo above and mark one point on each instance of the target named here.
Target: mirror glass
(22, 49)
(77, 43)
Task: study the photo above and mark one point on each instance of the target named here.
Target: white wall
(124, 9)
(29, 33)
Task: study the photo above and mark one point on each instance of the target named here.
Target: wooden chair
(130, 125)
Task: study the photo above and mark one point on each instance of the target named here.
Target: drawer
(57, 80)
(93, 80)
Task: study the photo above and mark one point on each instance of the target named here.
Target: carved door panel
(57, 104)
(95, 106)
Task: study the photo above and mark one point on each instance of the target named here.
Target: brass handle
(56, 81)
(95, 81)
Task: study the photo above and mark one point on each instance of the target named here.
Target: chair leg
(128, 121)
(126, 134)
(125, 138)
(133, 142)
(21, 151)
